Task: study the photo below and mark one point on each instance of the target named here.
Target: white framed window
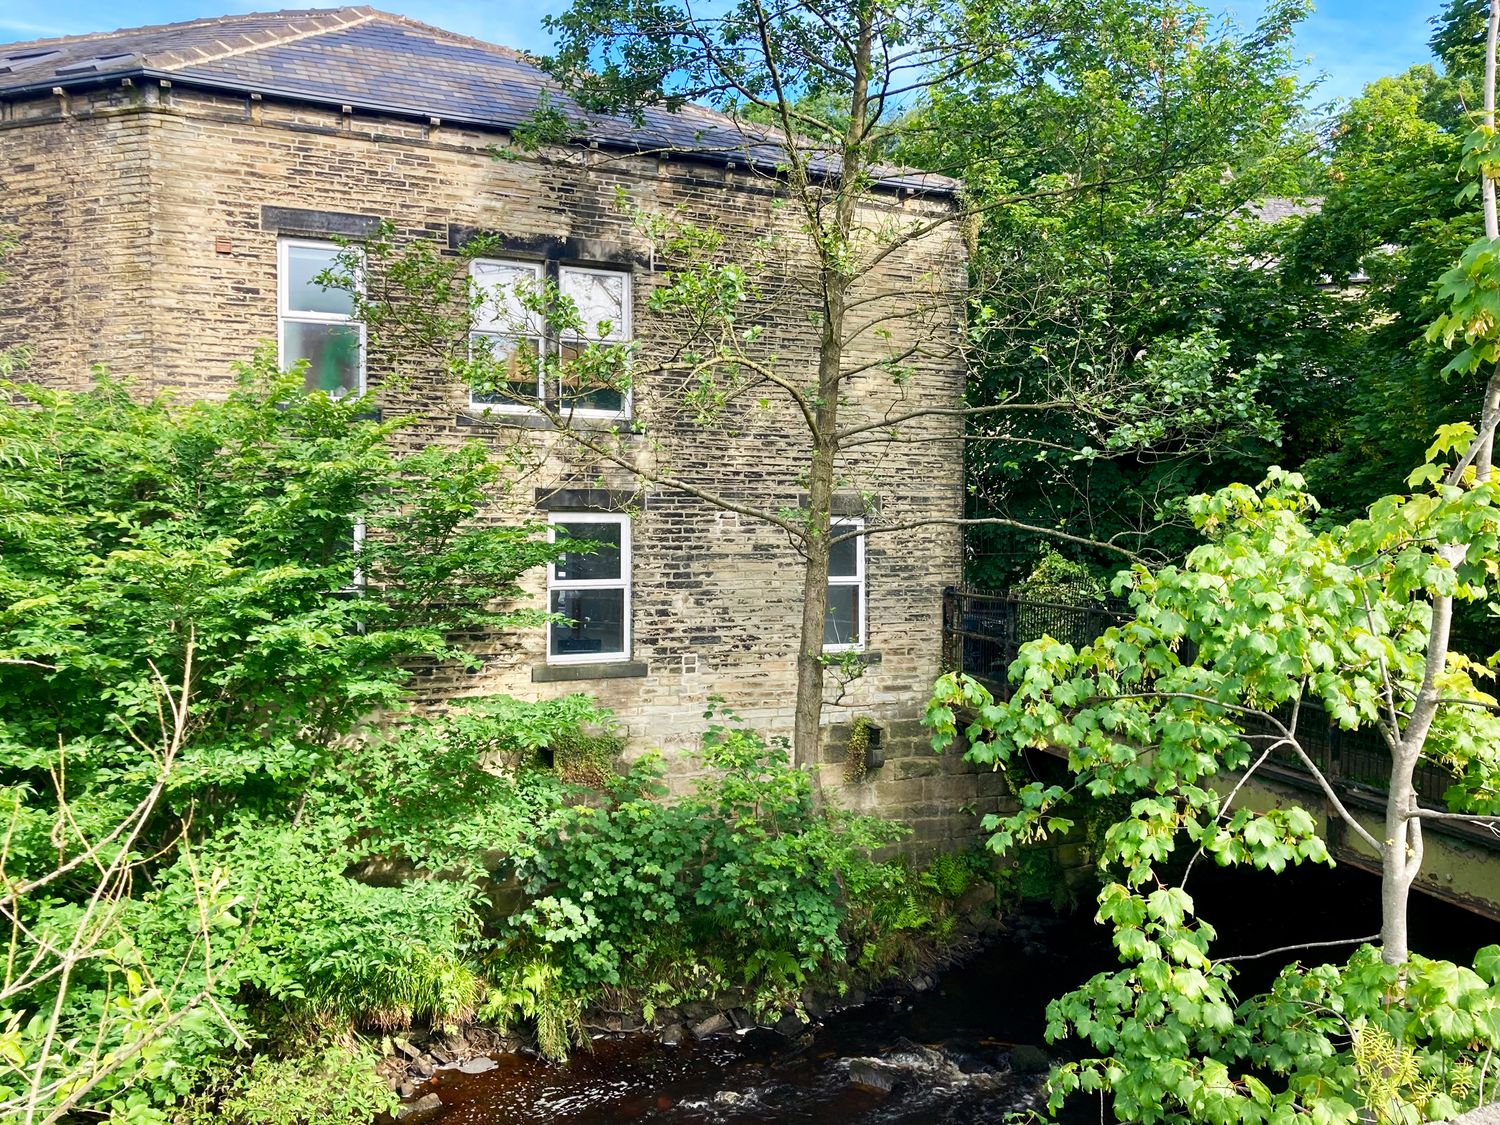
(316, 323)
(602, 298)
(844, 620)
(357, 579)
(512, 333)
(520, 339)
(590, 591)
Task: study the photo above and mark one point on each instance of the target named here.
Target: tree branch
(1294, 948)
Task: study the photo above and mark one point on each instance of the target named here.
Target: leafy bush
(898, 914)
(327, 1085)
(734, 887)
(190, 649)
(569, 734)
(1361, 1041)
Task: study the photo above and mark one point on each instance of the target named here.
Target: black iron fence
(983, 632)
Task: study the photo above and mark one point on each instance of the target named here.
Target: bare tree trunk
(1489, 420)
(1489, 416)
(835, 252)
(1487, 185)
(1396, 871)
(1402, 849)
(809, 707)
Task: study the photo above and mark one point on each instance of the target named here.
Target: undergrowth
(236, 854)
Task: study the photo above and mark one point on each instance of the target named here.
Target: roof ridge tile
(176, 25)
(300, 24)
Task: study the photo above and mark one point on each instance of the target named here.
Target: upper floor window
(602, 298)
(589, 590)
(844, 621)
(541, 362)
(511, 331)
(316, 322)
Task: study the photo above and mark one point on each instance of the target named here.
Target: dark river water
(973, 1015)
(969, 1020)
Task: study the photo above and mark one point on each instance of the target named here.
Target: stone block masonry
(148, 219)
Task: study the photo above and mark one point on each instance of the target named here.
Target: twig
(1294, 948)
(1290, 739)
(1228, 803)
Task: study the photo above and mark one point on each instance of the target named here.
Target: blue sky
(1348, 41)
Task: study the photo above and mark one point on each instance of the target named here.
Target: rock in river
(716, 1023)
(413, 1113)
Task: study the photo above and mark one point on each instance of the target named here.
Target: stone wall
(75, 193)
(148, 220)
(940, 797)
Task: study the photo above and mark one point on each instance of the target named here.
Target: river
(967, 1022)
(948, 1047)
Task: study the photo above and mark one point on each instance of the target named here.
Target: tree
(1388, 224)
(821, 99)
(1267, 620)
(1157, 274)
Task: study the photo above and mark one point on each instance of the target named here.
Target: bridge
(982, 635)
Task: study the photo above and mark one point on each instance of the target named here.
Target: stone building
(173, 191)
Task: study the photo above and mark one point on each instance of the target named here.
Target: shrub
(330, 1084)
(189, 651)
(898, 915)
(738, 886)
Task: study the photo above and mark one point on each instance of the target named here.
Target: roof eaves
(925, 184)
(74, 81)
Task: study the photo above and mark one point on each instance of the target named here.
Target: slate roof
(373, 60)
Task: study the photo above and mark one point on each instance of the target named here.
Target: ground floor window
(589, 590)
(844, 622)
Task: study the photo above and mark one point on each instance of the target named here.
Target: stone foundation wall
(942, 798)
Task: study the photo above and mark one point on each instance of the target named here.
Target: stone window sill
(519, 421)
(614, 670)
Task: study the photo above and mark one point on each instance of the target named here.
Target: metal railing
(983, 632)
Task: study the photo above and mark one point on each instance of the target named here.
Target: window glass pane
(503, 309)
(603, 564)
(842, 625)
(595, 622)
(331, 351)
(591, 382)
(600, 298)
(511, 364)
(303, 294)
(843, 558)
(602, 399)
